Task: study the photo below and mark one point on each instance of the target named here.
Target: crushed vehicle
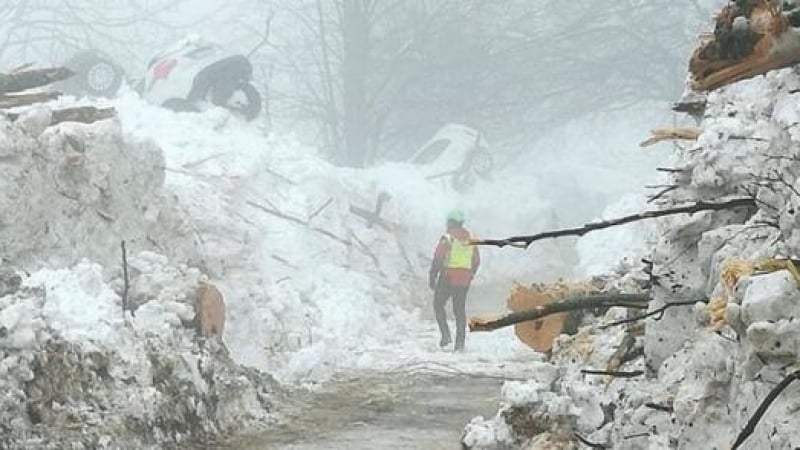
(193, 75)
(456, 153)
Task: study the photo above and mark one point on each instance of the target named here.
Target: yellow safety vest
(460, 254)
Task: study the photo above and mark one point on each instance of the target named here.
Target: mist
(287, 181)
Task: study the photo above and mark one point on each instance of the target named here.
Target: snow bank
(699, 387)
(73, 368)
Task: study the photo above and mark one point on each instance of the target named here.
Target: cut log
(209, 310)
(667, 134)
(29, 79)
(751, 37)
(555, 310)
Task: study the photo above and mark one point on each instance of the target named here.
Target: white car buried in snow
(456, 153)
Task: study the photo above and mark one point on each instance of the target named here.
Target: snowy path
(382, 411)
(417, 397)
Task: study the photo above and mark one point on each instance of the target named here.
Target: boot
(445, 341)
(459, 347)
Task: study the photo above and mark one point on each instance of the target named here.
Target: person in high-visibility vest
(455, 263)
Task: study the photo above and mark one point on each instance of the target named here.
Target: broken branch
(125, 279)
(638, 301)
(580, 231)
(588, 443)
(662, 408)
(762, 408)
(299, 222)
(29, 79)
(666, 134)
(659, 312)
(613, 373)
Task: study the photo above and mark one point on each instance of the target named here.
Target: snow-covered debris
(700, 387)
(74, 367)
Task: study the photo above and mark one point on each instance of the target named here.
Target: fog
(560, 93)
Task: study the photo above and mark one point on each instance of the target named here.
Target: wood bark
(15, 100)
(29, 79)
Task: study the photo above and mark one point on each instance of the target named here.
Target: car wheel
(462, 181)
(95, 75)
(245, 101)
(481, 161)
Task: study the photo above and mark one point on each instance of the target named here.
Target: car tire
(95, 75)
(481, 162)
(252, 108)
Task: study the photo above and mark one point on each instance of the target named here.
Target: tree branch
(762, 408)
(613, 373)
(580, 231)
(659, 312)
(638, 301)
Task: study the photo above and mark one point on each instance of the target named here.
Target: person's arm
(438, 262)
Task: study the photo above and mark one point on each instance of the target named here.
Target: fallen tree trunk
(540, 334)
(81, 114)
(574, 303)
(12, 101)
(29, 79)
(526, 241)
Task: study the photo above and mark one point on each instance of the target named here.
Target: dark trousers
(443, 293)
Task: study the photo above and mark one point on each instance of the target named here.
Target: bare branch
(763, 407)
(580, 231)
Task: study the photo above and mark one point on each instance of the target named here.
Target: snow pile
(310, 287)
(74, 190)
(71, 364)
(699, 387)
(608, 250)
(73, 368)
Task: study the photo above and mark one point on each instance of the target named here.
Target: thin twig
(126, 281)
(662, 408)
(762, 408)
(659, 312)
(662, 193)
(580, 231)
(588, 443)
(319, 210)
(614, 373)
(637, 435)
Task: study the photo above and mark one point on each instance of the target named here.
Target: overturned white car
(191, 76)
(456, 153)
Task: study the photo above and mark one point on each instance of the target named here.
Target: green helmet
(455, 215)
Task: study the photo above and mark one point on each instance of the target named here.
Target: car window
(431, 152)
